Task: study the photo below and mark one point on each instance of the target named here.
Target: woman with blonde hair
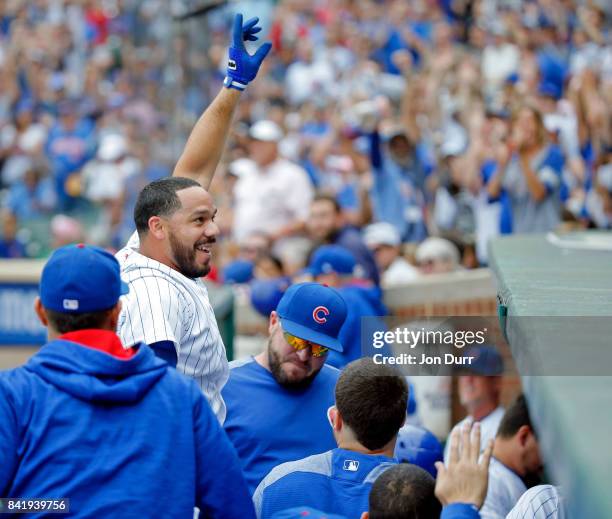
(529, 170)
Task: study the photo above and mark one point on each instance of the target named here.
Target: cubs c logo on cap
(316, 314)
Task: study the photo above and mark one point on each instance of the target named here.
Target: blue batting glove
(242, 67)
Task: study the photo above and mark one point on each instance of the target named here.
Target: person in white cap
(384, 241)
(275, 197)
(437, 255)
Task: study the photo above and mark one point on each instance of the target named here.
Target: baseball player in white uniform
(168, 306)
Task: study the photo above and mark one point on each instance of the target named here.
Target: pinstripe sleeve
(151, 312)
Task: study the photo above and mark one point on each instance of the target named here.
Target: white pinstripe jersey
(540, 502)
(164, 305)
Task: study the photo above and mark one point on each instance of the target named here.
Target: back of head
(404, 492)
(371, 399)
(80, 286)
(159, 199)
(515, 417)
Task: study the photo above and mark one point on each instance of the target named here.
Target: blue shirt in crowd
(270, 424)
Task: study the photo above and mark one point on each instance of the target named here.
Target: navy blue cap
(332, 258)
(486, 360)
(313, 312)
(238, 271)
(420, 447)
(80, 279)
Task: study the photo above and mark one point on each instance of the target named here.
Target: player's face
(290, 367)
(192, 231)
(532, 461)
(323, 220)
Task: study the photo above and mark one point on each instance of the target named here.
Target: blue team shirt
(337, 481)
(269, 424)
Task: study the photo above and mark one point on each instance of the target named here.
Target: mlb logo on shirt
(71, 304)
(231, 64)
(351, 465)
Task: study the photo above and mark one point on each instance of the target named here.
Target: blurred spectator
(397, 191)
(33, 196)
(254, 245)
(384, 241)
(10, 245)
(437, 256)
(326, 225)
(65, 230)
(397, 111)
(70, 145)
(275, 195)
(479, 388)
(599, 199)
(268, 266)
(530, 171)
(516, 455)
(334, 266)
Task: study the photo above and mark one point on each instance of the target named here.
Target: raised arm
(207, 140)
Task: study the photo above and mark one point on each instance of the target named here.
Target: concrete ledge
(572, 414)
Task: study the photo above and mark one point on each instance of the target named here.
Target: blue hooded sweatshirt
(118, 437)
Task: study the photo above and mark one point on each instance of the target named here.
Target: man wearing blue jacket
(114, 430)
(370, 409)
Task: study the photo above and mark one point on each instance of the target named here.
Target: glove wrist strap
(228, 82)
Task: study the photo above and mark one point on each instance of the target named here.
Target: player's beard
(280, 376)
(185, 259)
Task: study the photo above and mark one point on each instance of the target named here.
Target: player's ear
(40, 312)
(114, 315)
(273, 321)
(157, 228)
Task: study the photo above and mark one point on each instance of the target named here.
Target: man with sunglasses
(277, 401)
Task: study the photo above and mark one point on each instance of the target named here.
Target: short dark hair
(159, 199)
(371, 399)
(514, 418)
(321, 197)
(404, 491)
(64, 322)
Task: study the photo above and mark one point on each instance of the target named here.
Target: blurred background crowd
(406, 133)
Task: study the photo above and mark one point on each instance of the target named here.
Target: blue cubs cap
(238, 271)
(313, 312)
(486, 360)
(332, 258)
(80, 279)
(420, 447)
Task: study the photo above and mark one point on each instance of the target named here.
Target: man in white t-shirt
(479, 391)
(274, 195)
(516, 455)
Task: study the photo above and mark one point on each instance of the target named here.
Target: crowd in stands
(457, 121)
